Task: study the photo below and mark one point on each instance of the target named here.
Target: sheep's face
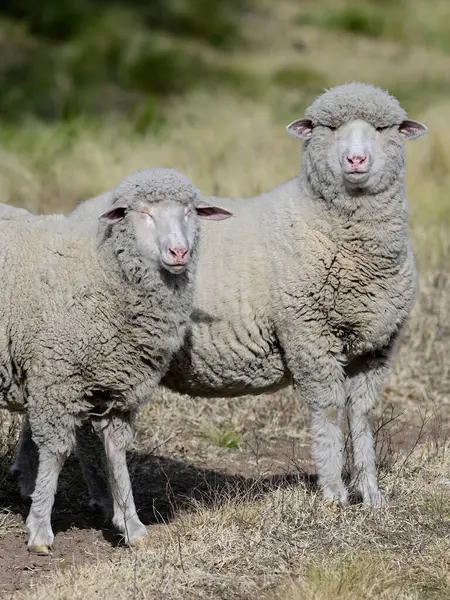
(358, 154)
(165, 232)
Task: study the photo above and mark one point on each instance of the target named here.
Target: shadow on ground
(162, 487)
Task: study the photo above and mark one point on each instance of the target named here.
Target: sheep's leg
(40, 534)
(117, 434)
(319, 378)
(26, 461)
(52, 426)
(327, 451)
(91, 455)
(364, 473)
(364, 381)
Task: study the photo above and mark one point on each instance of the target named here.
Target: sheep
(88, 326)
(313, 282)
(12, 212)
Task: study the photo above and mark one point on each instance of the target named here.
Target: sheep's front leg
(319, 378)
(52, 427)
(40, 534)
(117, 434)
(364, 380)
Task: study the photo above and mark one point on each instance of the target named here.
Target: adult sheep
(313, 282)
(89, 324)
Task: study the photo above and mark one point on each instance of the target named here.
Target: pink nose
(179, 255)
(356, 161)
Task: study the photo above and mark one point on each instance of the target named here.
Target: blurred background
(91, 90)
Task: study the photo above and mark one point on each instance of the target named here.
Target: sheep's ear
(411, 130)
(205, 210)
(114, 214)
(300, 129)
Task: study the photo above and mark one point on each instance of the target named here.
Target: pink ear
(411, 130)
(113, 215)
(300, 129)
(211, 212)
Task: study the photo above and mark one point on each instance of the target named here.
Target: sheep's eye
(332, 128)
(381, 128)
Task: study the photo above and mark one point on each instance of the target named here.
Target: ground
(227, 486)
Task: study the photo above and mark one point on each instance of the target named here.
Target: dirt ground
(165, 484)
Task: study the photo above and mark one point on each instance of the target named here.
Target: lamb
(313, 282)
(89, 324)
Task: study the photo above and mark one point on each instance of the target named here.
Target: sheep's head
(355, 135)
(163, 207)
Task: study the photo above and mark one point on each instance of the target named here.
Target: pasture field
(227, 486)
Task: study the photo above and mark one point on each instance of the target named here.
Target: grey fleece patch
(159, 184)
(351, 101)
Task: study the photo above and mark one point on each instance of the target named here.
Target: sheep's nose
(179, 255)
(356, 160)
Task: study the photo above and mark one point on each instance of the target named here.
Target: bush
(62, 58)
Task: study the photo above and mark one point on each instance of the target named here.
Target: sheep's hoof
(138, 541)
(40, 549)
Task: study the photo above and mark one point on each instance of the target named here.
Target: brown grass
(242, 520)
(287, 545)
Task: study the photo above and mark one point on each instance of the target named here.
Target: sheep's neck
(129, 279)
(376, 223)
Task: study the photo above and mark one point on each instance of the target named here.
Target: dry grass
(223, 481)
(286, 545)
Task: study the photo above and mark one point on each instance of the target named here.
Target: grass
(295, 78)
(286, 546)
(247, 523)
(410, 22)
(222, 437)
(362, 19)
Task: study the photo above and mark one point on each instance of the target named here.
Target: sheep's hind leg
(117, 434)
(91, 455)
(26, 461)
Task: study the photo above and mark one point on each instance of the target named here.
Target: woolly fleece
(87, 327)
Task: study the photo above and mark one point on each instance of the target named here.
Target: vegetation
(223, 483)
(222, 436)
(63, 58)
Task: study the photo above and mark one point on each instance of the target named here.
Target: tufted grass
(248, 522)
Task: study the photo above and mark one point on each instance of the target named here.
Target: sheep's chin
(174, 269)
(356, 179)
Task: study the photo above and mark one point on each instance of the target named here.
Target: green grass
(299, 78)
(415, 95)
(222, 437)
(357, 18)
(411, 22)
